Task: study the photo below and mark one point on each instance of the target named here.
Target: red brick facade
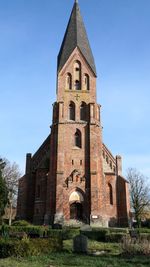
(73, 175)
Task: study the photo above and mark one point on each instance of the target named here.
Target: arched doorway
(76, 205)
(76, 211)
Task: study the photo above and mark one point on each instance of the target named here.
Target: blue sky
(31, 32)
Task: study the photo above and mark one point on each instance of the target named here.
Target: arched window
(87, 82)
(77, 136)
(114, 169)
(83, 111)
(77, 85)
(77, 75)
(72, 111)
(110, 164)
(68, 81)
(110, 194)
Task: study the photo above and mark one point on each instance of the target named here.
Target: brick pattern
(60, 167)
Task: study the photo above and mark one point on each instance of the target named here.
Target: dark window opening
(87, 82)
(83, 112)
(110, 194)
(72, 111)
(78, 139)
(77, 85)
(69, 81)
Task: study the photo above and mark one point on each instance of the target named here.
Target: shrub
(34, 231)
(70, 233)
(6, 248)
(143, 230)
(135, 247)
(21, 223)
(144, 236)
(118, 230)
(51, 233)
(4, 231)
(114, 237)
(95, 234)
(29, 247)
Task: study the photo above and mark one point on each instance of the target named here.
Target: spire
(75, 36)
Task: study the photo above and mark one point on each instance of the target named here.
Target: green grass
(67, 258)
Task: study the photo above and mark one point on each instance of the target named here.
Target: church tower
(73, 175)
(76, 181)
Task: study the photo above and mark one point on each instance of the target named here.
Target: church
(73, 175)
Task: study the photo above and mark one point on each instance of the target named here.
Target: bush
(144, 236)
(114, 237)
(51, 233)
(29, 247)
(95, 234)
(143, 230)
(135, 247)
(21, 223)
(70, 233)
(4, 230)
(118, 230)
(34, 231)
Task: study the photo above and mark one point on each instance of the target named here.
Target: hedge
(69, 233)
(29, 247)
(114, 237)
(94, 234)
(39, 231)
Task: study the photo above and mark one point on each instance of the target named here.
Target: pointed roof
(75, 36)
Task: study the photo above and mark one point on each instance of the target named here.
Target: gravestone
(80, 244)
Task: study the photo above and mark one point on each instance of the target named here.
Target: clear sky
(31, 32)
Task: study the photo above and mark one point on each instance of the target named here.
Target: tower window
(81, 162)
(77, 75)
(69, 81)
(87, 82)
(110, 164)
(110, 194)
(83, 109)
(78, 138)
(72, 111)
(77, 85)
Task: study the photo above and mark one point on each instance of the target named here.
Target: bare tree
(11, 174)
(139, 192)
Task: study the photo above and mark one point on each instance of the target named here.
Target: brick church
(73, 175)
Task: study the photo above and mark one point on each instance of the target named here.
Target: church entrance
(76, 211)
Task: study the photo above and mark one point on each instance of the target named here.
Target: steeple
(75, 36)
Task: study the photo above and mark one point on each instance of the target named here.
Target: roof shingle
(75, 36)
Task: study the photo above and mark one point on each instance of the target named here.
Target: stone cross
(77, 97)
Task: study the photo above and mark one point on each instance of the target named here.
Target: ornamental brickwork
(73, 175)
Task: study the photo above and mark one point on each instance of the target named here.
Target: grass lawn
(67, 258)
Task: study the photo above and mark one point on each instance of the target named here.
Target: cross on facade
(77, 97)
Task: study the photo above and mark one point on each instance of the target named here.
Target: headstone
(80, 244)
